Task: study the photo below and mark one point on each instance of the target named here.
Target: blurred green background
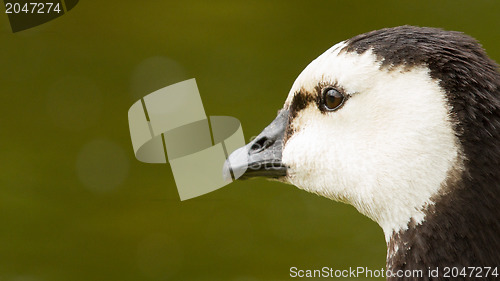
(76, 205)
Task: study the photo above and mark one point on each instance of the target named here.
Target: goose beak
(262, 156)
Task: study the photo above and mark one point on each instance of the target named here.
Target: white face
(386, 151)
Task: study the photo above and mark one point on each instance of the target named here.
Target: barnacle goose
(404, 124)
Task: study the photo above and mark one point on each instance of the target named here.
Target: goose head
(394, 122)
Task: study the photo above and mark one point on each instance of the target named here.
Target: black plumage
(462, 229)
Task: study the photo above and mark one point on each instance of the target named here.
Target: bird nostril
(254, 147)
(261, 144)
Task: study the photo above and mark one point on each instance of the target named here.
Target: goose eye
(333, 99)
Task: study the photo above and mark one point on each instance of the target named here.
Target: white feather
(387, 151)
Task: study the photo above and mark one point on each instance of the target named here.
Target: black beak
(262, 156)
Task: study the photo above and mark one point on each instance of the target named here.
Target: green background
(76, 205)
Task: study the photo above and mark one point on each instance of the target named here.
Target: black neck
(461, 230)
